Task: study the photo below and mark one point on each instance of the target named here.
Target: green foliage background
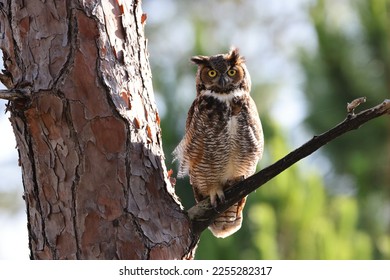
(307, 60)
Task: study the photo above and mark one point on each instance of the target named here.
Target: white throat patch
(224, 97)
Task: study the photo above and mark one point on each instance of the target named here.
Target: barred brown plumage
(223, 139)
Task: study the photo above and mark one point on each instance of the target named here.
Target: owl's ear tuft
(234, 56)
(200, 60)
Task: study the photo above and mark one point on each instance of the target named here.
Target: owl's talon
(216, 198)
(213, 201)
(221, 197)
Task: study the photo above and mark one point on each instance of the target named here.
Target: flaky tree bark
(87, 131)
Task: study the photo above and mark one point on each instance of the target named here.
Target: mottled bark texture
(88, 132)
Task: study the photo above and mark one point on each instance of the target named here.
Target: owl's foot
(215, 196)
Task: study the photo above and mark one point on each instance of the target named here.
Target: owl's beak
(223, 80)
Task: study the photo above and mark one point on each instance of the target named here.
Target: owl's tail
(229, 221)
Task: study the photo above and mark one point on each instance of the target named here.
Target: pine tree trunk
(88, 132)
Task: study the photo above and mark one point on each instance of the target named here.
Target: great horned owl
(223, 140)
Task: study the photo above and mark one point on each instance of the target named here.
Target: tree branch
(203, 214)
(11, 95)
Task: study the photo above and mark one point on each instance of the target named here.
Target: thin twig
(203, 214)
(11, 95)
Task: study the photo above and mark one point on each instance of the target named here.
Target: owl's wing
(178, 154)
(190, 115)
(255, 124)
(181, 152)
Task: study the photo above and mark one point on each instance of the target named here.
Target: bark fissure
(146, 240)
(9, 54)
(72, 41)
(16, 49)
(76, 181)
(37, 195)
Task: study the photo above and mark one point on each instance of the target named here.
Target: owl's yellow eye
(232, 72)
(212, 73)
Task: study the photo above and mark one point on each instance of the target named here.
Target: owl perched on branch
(223, 139)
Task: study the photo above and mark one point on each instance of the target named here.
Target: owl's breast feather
(232, 126)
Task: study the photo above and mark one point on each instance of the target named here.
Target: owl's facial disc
(221, 74)
(221, 81)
